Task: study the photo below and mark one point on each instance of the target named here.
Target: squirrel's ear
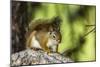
(51, 29)
(56, 22)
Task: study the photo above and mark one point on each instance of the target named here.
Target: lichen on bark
(30, 57)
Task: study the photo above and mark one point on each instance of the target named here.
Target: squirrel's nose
(58, 41)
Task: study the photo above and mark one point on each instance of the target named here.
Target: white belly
(35, 43)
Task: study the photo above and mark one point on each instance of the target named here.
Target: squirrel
(45, 35)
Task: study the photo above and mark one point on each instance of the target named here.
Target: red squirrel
(45, 35)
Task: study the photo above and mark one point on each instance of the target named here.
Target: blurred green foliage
(77, 23)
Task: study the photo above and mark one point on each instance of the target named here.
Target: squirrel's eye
(50, 33)
(54, 36)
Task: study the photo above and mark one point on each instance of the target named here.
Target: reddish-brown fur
(40, 31)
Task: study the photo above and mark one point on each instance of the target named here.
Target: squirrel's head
(54, 32)
(54, 38)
